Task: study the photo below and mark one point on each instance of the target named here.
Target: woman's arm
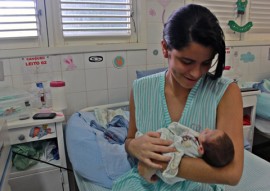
(229, 119)
(147, 147)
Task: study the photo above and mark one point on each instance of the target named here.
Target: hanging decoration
(164, 4)
(235, 27)
(241, 7)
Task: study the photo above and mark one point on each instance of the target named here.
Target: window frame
(55, 29)
(29, 42)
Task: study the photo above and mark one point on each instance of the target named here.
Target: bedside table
(5, 156)
(42, 177)
(249, 107)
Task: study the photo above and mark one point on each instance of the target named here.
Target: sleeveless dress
(152, 114)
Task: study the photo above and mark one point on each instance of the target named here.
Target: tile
(154, 54)
(117, 78)
(154, 66)
(171, 7)
(136, 57)
(97, 97)
(72, 62)
(16, 66)
(265, 58)
(75, 81)
(42, 77)
(156, 30)
(29, 78)
(7, 82)
(49, 76)
(239, 68)
(95, 60)
(56, 63)
(96, 79)
(154, 12)
(118, 95)
(260, 77)
(17, 81)
(110, 58)
(132, 73)
(6, 66)
(75, 102)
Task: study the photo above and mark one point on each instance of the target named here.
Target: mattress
(255, 177)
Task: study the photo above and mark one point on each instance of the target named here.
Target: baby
(213, 146)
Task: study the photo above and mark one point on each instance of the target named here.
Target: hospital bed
(81, 152)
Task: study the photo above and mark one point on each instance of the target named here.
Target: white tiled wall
(95, 83)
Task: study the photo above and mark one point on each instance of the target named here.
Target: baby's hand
(148, 173)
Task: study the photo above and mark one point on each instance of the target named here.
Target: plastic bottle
(41, 93)
(58, 94)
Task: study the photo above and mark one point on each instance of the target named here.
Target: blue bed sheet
(90, 152)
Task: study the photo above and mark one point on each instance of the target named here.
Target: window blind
(96, 17)
(224, 10)
(18, 19)
(260, 16)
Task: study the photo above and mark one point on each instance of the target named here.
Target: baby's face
(209, 135)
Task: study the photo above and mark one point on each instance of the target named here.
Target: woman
(186, 93)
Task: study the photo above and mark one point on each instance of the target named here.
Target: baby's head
(216, 147)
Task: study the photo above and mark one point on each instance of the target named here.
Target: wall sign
(95, 59)
(34, 64)
(35, 61)
(119, 62)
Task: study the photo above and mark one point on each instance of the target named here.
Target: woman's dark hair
(195, 23)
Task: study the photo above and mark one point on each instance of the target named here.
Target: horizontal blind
(18, 19)
(259, 14)
(224, 10)
(96, 17)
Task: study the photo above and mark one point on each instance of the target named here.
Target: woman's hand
(149, 147)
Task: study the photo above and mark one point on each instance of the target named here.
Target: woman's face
(188, 65)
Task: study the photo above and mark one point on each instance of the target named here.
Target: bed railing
(108, 106)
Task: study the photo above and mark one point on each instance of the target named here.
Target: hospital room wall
(94, 83)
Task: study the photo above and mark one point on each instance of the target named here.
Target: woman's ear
(164, 48)
(200, 149)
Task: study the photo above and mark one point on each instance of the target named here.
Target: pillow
(143, 73)
(105, 116)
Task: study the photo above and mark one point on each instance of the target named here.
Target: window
(18, 19)
(58, 23)
(95, 21)
(96, 18)
(257, 11)
(259, 14)
(20, 24)
(224, 10)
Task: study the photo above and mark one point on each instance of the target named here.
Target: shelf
(39, 167)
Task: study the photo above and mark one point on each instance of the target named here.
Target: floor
(261, 146)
